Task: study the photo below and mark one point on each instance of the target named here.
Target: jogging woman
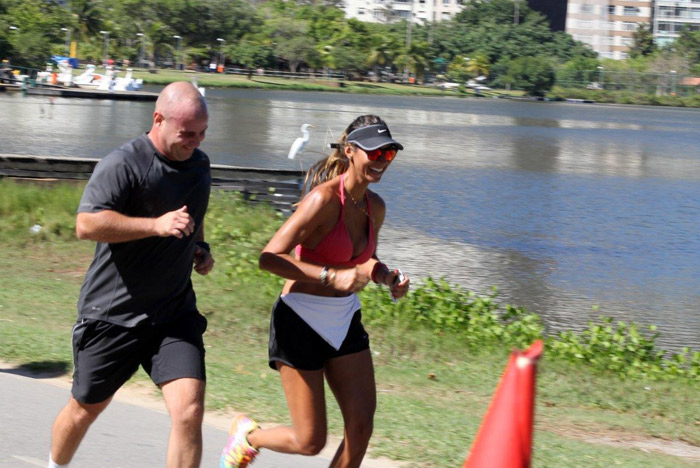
(316, 327)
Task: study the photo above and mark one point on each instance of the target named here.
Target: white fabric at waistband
(323, 301)
(330, 317)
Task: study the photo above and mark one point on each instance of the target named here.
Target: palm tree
(414, 58)
(479, 65)
(87, 16)
(382, 54)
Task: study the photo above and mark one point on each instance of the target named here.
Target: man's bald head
(179, 99)
(179, 121)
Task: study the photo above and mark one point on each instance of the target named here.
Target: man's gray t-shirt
(146, 280)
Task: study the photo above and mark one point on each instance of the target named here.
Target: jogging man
(145, 206)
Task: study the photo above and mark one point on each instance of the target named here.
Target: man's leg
(185, 401)
(70, 427)
(103, 356)
(177, 367)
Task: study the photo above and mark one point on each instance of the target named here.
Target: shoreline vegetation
(482, 46)
(601, 96)
(439, 353)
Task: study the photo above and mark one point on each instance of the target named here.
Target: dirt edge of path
(147, 396)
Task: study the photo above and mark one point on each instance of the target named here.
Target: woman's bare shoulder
(323, 198)
(378, 205)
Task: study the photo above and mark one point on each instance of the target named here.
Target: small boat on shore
(88, 79)
(109, 81)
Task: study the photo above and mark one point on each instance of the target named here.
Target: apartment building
(607, 25)
(670, 17)
(386, 11)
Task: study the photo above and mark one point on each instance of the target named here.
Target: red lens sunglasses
(373, 155)
(389, 154)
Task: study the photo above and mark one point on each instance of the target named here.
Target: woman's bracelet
(327, 276)
(324, 276)
(377, 265)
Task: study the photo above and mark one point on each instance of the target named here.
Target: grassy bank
(624, 97)
(164, 77)
(438, 354)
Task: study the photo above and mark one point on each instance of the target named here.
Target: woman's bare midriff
(314, 289)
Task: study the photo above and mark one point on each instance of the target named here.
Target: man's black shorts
(105, 355)
(295, 343)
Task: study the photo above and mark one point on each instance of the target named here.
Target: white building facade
(607, 25)
(387, 11)
(670, 17)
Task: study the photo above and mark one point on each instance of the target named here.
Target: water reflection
(561, 206)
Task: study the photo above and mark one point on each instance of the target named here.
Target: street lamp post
(673, 82)
(409, 28)
(179, 50)
(141, 52)
(601, 76)
(67, 31)
(222, 58)
(106, 47)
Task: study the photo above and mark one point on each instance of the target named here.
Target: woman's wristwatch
(327, 276)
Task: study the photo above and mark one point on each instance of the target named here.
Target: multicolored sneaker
(238, 453)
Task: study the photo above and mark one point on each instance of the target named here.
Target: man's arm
(203, 260)
(113, 227)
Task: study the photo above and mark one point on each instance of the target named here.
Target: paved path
(126, 435)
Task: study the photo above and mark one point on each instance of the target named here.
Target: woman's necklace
(357, 205)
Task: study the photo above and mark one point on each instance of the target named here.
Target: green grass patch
(439, 353)
(624, 97)
(164, 77)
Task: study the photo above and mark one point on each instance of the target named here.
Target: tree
(383, 53)
(348, 59)
(688, 45)
(414, 58)
(458, 70)
(478, 65)
(578, 71)
(39, 25)
(566, 48)
(643, 41)
(535, 75)
(486, 27)
(251, 55)
(297, 50)
(87, 16)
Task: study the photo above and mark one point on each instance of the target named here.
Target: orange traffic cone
(504, 439)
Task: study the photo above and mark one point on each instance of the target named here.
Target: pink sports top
(336, 247)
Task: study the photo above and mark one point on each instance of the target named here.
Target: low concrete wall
(279, 187)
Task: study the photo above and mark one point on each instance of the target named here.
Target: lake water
(561, 206)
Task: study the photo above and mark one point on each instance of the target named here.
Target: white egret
(201, 89)
(300, 142)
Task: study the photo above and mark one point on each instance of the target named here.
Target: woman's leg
(307, 407)
(351, 378)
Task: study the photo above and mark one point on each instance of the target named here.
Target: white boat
(127, 82)
(89, 79)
